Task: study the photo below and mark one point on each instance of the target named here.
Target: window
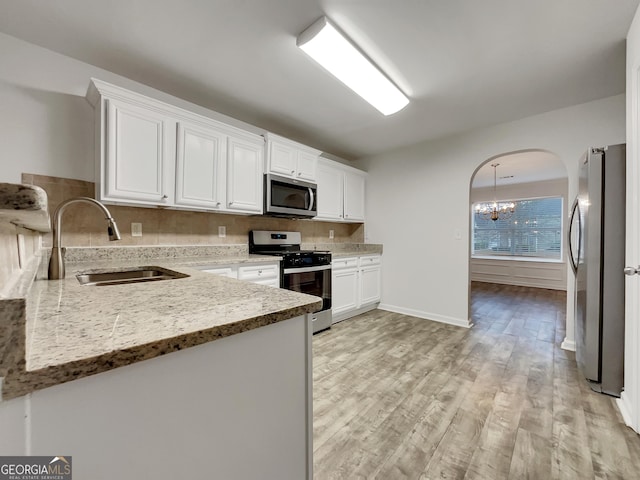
(533, 231)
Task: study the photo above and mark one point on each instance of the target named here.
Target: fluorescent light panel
(324, 43)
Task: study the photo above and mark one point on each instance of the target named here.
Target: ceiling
(520, 167)
(464, 64)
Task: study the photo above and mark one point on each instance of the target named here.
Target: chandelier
(495, 210)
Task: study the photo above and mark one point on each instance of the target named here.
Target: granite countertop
(71, 331)
(24, 206)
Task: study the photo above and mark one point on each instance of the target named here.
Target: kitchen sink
(137, 275)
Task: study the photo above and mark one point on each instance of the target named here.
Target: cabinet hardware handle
(164, 197)
(631, 271)
(230, 203)
(292, 172)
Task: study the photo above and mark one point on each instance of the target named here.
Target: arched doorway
(524, 246)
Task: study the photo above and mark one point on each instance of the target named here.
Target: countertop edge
(19, 382)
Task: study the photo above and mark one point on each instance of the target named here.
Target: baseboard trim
(458, 322)
(352, 313)
(520, 283)
(569, 345)
(625, 410)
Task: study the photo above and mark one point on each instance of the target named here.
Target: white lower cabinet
(209, 411)
(356, 285)
(344, 286)
(370, 280)
(260, 273)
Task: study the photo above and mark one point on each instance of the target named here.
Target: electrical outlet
(136, 229)
(222, 231)
(331, 234)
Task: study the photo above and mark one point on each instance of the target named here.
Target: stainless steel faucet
(56, 263)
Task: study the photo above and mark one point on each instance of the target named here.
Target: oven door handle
(317, 268)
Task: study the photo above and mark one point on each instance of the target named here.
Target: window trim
(561, 259)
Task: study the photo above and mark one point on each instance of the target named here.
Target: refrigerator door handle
(631, 270)
(572, 259)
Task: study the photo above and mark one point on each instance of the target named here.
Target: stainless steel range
(302, 271)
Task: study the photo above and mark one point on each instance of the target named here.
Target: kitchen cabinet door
(330, 188)
(370, 280)
(307, 166)
(139, 157)
(244, 175)
(282, 159)
(354, 188)
(291, 159)
(200, 168)
(344, 291)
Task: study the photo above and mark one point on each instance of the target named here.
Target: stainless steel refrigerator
(596, 254)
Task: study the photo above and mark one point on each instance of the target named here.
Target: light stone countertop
(24, 206)
(73, 331)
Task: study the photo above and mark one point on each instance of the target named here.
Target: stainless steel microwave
(288, 197)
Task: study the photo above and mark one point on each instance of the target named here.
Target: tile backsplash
(84, 226)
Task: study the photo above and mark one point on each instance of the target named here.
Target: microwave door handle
(312, 199)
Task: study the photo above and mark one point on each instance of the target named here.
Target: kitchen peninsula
(130, 375)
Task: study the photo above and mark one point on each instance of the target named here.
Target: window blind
(534, 230)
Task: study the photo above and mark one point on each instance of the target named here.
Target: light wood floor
(398, 397)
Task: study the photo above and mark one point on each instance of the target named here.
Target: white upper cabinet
(354, 186)
(307, 166)
(200, 172)
(244, 175)
(291, 159)
(330, 191)
(282, 158)
(151, 153)
(341, 192)
(138, 151)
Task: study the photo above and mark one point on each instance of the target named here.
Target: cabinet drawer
(338, 263)
(253, 273)
(370, 260)
(269, 282)
(222, 271)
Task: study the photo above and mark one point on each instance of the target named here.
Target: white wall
(418, 201)
(46, 123)
(509, 271)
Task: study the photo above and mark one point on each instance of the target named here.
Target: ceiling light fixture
(494, 210)
(327, 46)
